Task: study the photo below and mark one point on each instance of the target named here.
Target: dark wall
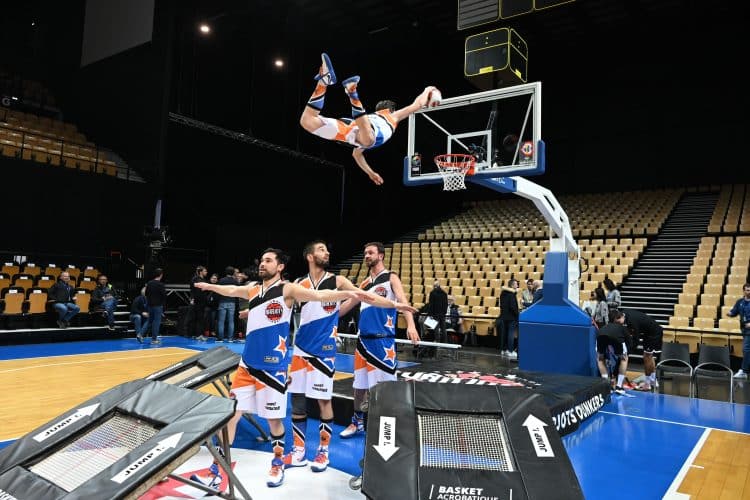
(60, 212)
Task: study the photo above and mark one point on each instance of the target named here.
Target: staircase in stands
(656, 280)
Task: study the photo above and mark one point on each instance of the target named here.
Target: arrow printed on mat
(538, 435)
(86, 411)
(386, 446)
(148, 457)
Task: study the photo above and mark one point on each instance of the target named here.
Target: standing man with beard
(313, 363)
(375, 357)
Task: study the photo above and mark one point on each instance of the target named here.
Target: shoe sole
(351, 79)
(293, 465)
(318, 469)
(331, 73)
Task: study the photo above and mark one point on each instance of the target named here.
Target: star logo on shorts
(281, 347)
(334, 332)
(390, 353)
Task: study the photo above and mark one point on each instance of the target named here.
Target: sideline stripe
(84, 361)
(672, 422)
(672, 493)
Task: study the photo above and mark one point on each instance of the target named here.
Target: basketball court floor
(641, 445)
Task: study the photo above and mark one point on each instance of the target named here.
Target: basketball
(434, 98)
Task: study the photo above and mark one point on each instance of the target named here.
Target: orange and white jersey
(319, 321)
(345, 129)
(267, 328)
(377, 322)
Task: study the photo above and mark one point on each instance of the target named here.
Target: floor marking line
(672, 422)
(672, 493)
(84, 361)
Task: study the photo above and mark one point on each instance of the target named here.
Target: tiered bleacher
(474, 253)
(36, 136)
(23, 290)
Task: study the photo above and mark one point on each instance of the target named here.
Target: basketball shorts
(603, 341)
(346, 130)
(652, 345)
(312, 377)
(374, 362)
(260, 392)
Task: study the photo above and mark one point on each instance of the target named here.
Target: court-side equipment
(502, 130)
(117, 445)
(209, 367)
(459, 441)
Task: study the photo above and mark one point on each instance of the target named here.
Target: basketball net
(453, 168)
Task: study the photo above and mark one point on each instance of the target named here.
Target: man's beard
(323, 264)
(264, 274)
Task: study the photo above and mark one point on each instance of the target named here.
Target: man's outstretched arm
(359, 157)
(419, 103)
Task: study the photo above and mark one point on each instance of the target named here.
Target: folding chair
(713, 364)
(675, 362)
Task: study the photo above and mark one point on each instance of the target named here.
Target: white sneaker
(321, 461)
(740, 374)
(513, 355)
(276, 474)
(504, 354)
(352, 430)
(295, 458)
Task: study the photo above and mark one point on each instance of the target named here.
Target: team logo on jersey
(389, 321)
(274, 311)
(381, 291)
(329, 307)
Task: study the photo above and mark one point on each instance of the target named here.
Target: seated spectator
(139, 315)
(527, 296)
(103, 298)
(63, 297)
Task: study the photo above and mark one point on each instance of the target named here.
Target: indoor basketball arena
(405, 249)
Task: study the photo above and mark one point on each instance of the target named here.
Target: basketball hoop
(453, 168)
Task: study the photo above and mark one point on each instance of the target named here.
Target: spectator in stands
(601, 311)
(612, 338)
(198, 302)
(454, 321)
(139, 315)
(507, 322)
(614, 300)
(226, 308)
(538, 292)
(642, 326)
(102, 298)
(438, 308)
(527, 296)
(156, 296)
(63, 298)
(212, 303)
(741, 308)
(589, 305)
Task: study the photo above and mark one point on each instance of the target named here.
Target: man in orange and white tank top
(375, 357)
(313, 363)
(259, 385)
(363, 131)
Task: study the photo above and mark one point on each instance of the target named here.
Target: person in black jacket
(198, 302)
(102, 298)
(438, 308)
(139, 315)
(508, 320)
(63, 297)
(156, 296)
(643, 327)
(212, 303)
(613, 336)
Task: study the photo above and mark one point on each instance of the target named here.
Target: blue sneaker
(212, 481)
(326, 73)
(350, 84)
(276, 474)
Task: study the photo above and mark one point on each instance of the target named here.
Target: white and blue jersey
(267, 328)
(319, 321)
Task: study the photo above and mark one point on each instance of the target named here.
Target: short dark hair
(199, 269)
(386, 104)
(310, 247)
(281, 257)
(379, 245)
(229, 271)
(158, 272)
(615, 314)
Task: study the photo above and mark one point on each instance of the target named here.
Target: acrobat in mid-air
(364, 130)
